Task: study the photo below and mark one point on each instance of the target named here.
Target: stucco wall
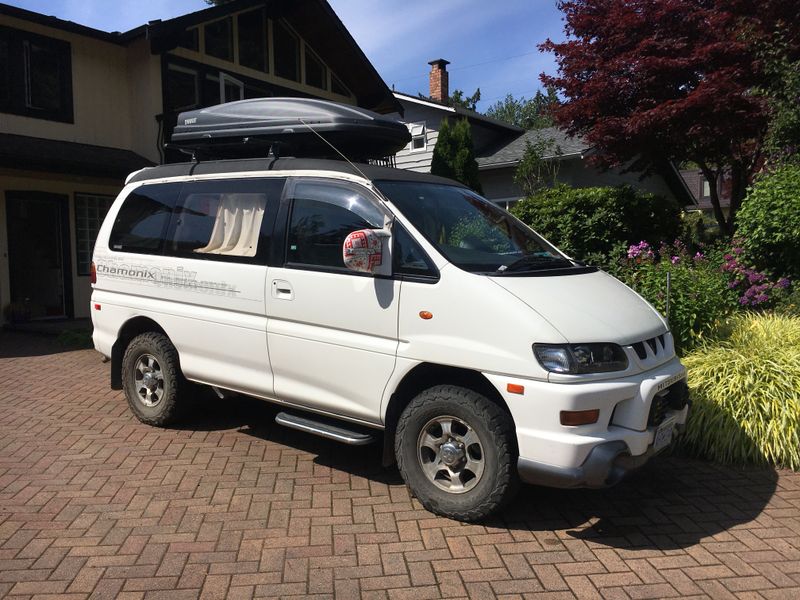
(18, 181)
(100, 93)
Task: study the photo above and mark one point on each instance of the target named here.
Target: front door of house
(38, 254)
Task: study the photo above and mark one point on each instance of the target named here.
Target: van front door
(332, 333)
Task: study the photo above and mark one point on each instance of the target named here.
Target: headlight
(581, 358)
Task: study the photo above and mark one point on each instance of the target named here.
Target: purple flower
(699, 256)
(675, 260)
(783, 283)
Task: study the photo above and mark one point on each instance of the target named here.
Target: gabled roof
(314, 20)
(508, 154)
(39, 154)
(460, 111)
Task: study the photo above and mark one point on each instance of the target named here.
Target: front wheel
(152, 379)
(455, 450)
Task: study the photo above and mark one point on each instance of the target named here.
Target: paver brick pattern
(95, 504)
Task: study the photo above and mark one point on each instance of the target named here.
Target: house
(700, 189)
(81, 108)
(500, 146)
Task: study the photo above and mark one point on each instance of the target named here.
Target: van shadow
(672, 503)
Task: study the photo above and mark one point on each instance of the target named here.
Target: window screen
(219, 39)
(90, 210)
(142, 221)
(253, 40)
(322, 217)
(221, 219)
(287, 52)
(316, 73)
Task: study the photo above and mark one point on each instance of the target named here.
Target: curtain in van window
(237, 225)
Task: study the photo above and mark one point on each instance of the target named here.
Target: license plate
(663, 437)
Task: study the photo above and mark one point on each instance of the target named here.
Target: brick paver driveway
(94, 503)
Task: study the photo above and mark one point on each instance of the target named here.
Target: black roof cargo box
(294, 126)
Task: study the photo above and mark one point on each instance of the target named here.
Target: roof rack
(300, 127)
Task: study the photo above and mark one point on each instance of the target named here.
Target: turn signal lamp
(579, 417)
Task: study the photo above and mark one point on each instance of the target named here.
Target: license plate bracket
(663, 436)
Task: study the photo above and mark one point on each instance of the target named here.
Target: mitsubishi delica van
(376, 306)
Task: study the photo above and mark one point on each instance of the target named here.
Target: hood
(590, 307)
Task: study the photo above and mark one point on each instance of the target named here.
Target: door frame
(62, 203)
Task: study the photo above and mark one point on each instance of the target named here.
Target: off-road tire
(495, 428)
(170, 407)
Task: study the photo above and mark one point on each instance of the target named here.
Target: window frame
(281, 23)
(266, 232)
(424, 136)
(280, 252)
(76, 197)
(232, 42)
(309, 54)
(19, 76)
(266, 43)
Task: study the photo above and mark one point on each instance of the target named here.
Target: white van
(367, 300)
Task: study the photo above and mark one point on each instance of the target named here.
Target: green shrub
(769, 222)
(700, 298)
(454, 155)
(596, 225)
(746, 404)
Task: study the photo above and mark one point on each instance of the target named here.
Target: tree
(539, 165)
(453, 155)
(782, 93)
(528, 113)
(652, 81)
(457, 98)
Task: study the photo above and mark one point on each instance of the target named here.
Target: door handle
(282, 290)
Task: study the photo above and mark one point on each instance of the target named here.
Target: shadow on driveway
(672, 503)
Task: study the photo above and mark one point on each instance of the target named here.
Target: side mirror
(362, 250)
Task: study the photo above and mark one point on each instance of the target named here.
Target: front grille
(658, 411)
(675, 397)
(656, 344)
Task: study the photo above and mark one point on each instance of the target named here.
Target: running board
(324, 429)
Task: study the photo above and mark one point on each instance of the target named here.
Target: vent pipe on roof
(439, 81)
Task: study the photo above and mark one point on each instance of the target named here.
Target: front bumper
(607, 464)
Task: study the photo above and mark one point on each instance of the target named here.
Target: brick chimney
(439, 83)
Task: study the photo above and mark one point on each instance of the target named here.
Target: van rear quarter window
(142, 221)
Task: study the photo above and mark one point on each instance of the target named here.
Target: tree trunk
(739, 181)
(712, 177)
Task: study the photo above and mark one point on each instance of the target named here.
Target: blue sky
(490, 44)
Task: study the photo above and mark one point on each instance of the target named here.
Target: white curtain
(237, 225)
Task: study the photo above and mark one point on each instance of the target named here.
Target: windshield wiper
(531, 260)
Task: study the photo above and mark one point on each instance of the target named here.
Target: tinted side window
(223, 219)
(142, 221)
(323, 214)
(409, 257)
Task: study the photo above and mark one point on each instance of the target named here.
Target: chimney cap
(440, 62)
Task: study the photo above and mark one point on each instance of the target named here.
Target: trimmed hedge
(598, 224)
(768, 222)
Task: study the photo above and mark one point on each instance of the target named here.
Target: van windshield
(471, 232)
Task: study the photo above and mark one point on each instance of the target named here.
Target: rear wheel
(152, 379)
(455, 450)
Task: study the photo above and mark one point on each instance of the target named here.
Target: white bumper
(565, 456)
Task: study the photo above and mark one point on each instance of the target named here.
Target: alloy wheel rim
(148, 380)
(450, 454)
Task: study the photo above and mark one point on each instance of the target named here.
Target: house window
(182, 89)
(337, 87)
(287, 52)
(706, 189)
(190, 39)
(253, 40)
(219, 39)
(419, 139)
(35, 76)
(316, 72)
(90, 210)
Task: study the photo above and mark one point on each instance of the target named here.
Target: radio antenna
(315, 132)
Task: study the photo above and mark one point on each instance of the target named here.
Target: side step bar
(326, 429)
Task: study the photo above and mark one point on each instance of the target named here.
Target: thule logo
(190, 121)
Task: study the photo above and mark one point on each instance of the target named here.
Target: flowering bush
(754, 286)
(700, 299)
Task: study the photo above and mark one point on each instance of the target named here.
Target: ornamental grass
(745, 390)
